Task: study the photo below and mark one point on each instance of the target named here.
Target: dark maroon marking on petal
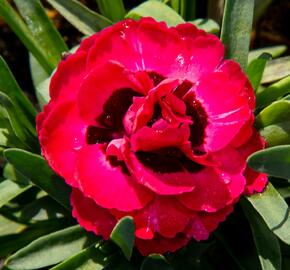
(116, 107)
(115, 162)
(156, 115)
(199, 118)
(155, 77)
(167, 160)
(98, 135)
(182, 89)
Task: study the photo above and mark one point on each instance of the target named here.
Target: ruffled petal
(164, 215)
(108, 185)
(256, 181)
(213, 190)
(162, 183)
(61, 137)
(202, 224)
(225, 98)
(175, 55)
(161, 244)
(99, 86)
(91, 216)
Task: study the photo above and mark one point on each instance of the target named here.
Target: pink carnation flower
(152, 122)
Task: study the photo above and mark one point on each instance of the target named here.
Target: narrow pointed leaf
(156, 10)
(38, 74)
(276, 69)
(274, 161)
(21, 30)
(10, 87)
(256, 68)
(276, 134)
(36, 169)
(236, 29)
(22, 128)
(155, 262)
(207, 25)
(10, 190)
(113, 9)
(11, 242)
(277, 112)
(273, 92)
(274, 211)
(42, 29)
(88, 259)
(50, 249)
(124, 235)
(266, 242)
(8, 226)
(82, 18)
(275, 51)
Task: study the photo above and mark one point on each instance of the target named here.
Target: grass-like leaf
(82, 18)
(155, 262)
(42, 29)
(277, 112)
(156, 10)
(273, 92)
(50, 249)
(255, 70)
(10, 190)
(236, 29)
(36, 169)
(275, 51)
(266, 242)
(21, 30)
(113, 9)
(274, 211)
(124, 235)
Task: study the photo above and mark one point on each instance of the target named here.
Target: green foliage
(124, 236)
(36, 228)
(156, 10)
(236, 28)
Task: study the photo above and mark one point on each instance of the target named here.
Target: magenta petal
(108, 185)
(161, 244)
(160, 183)
(69, 76)
(91, 216)
(98, 86)
(147, 139)
(61, 137)
(213, 190)
(202, 224)
(226, 103)
(152, 219)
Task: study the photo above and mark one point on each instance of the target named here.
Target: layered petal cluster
(152, 122)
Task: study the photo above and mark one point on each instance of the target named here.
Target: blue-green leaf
(273, 92)
(276, 134)
(21, 30)
(274, 161)
(124, 235)
(155, 262)
(266, 242)
(277, 112)
(207, 25)
(275, 51)
(10, 190)
(156, 10)
(113, 9)
(256, 68)
(36, 169)
(236, 29)
(42, 29)
(82, 18)
(274, 211)
(50, 249)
